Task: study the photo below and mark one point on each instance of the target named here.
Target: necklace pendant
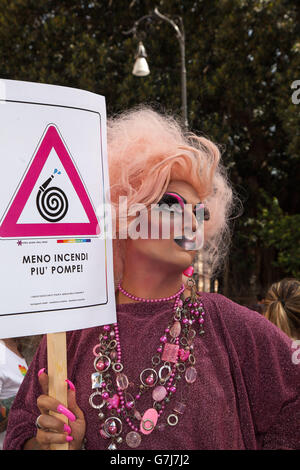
(159, 393)
(175, 329)
(150, 380)
(183, 354)
(113, 402)
(112, 428)
(97, 380)
(102, 363)
(190, 375)
(170, 352)
(148, 421)
(112, 446)
(122, 381)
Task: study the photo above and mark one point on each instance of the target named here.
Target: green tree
(241, 56)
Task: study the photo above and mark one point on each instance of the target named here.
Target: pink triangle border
(10, 228)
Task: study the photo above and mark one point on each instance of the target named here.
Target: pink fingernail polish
(67, 428)
(41, 371)
(69, 438)
(71, 385)
(62, 409)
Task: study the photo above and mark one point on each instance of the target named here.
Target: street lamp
(141, 67)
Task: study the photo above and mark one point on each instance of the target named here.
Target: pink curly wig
(146, 150)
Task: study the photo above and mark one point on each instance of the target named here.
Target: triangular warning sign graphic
(52, 217)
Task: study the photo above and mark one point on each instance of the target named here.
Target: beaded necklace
(174, 358)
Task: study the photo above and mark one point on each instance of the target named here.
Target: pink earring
(188, 271)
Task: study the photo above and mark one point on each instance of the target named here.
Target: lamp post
(141, 68)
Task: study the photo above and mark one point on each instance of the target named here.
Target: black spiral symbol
(52, 203)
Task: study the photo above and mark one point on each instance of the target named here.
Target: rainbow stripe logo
(75, 240)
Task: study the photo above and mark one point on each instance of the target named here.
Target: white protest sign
(56, 263)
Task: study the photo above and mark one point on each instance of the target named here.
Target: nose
(194, 222)
(190, 221)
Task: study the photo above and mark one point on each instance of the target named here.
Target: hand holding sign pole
(50, 216)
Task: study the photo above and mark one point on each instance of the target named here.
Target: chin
(187, 256)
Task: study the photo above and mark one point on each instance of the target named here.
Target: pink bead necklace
(141, 299)
(174, 357)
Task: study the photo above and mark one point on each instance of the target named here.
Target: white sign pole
(57, 372)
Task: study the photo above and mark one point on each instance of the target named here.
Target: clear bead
(179, 407)
(133, 439)
(122, 381)
(190, 375)
(159, 393)
(112, 447)
(175, 329)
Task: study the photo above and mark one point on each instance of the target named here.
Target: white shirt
(12, 371)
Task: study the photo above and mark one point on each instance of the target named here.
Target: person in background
(283, 306)
(13, 368)
(259, 305)
(15, 357)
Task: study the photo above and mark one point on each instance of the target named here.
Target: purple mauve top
(246, 395)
